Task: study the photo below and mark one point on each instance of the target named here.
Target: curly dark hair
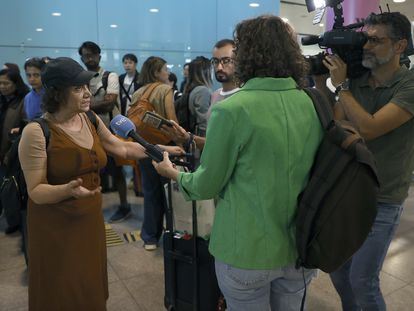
(54, 98)
(266, 46)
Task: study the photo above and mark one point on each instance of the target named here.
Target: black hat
(64, 71)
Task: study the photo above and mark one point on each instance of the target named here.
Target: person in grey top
(199, 86)
(380, 105)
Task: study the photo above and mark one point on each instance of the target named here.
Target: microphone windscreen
(310, 40)
(122, 126)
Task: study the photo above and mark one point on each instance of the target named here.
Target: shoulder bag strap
(92, 117)
(45, 128)
(148, 92)
(322, 107)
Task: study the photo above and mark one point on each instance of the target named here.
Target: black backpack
(182, 111)
(337, 208)
(13, 189)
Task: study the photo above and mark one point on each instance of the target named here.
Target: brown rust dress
(67, 250)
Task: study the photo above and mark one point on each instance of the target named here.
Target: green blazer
(260, 146)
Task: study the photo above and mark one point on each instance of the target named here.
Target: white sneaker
(150, 247)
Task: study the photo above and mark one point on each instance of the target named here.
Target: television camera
(341, 40)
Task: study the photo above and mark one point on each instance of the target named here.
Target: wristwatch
(344, 86)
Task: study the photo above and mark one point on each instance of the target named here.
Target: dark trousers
(154, 202)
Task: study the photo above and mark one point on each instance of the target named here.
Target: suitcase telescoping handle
(193, 260)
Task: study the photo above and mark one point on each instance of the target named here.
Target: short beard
(223, 78)
(374, 62)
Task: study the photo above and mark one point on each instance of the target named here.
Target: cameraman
(380, 105)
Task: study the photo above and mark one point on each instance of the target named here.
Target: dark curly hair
(266, 46)
(54, 99)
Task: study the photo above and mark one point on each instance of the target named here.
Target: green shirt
(394, 151)
(260, 146)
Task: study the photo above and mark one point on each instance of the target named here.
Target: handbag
(136, 113)
(182, 212)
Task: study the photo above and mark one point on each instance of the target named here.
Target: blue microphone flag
(122, 126)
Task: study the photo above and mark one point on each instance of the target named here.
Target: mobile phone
(155, 120)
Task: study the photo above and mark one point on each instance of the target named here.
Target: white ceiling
(301, 20)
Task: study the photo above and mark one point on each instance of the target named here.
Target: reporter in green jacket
(260, 146)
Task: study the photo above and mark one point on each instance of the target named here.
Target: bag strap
(121, 84)
(322, 107)
(45, 128)
(105, 78)
(92, 117)
(148, 92)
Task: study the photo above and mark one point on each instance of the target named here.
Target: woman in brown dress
(66, 235)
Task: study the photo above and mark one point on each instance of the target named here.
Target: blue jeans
(357, 281)
(154, 202)
(261, 290)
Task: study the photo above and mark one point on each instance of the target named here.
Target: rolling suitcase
(190, 278)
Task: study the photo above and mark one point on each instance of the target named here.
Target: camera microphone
(310, 40)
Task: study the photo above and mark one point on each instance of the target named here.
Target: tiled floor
(137, 282)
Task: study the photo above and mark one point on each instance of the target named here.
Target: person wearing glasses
(104, 102)
(223, 64)
(224, 67)
(380, 104)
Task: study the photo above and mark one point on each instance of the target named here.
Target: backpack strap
(189, 115)
(322, 107)
(105, 78)
(45, 128)
(122, 87)
(92, 117)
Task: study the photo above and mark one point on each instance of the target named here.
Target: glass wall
(177, 30)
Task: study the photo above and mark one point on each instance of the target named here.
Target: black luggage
(190, 278)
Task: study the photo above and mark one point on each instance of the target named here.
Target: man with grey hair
(380, 105)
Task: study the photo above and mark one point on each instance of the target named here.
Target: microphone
(122, 126)
(310, 40)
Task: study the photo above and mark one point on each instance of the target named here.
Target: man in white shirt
(128, 82)
(223, 64)
(104, 102)
(224, 68)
